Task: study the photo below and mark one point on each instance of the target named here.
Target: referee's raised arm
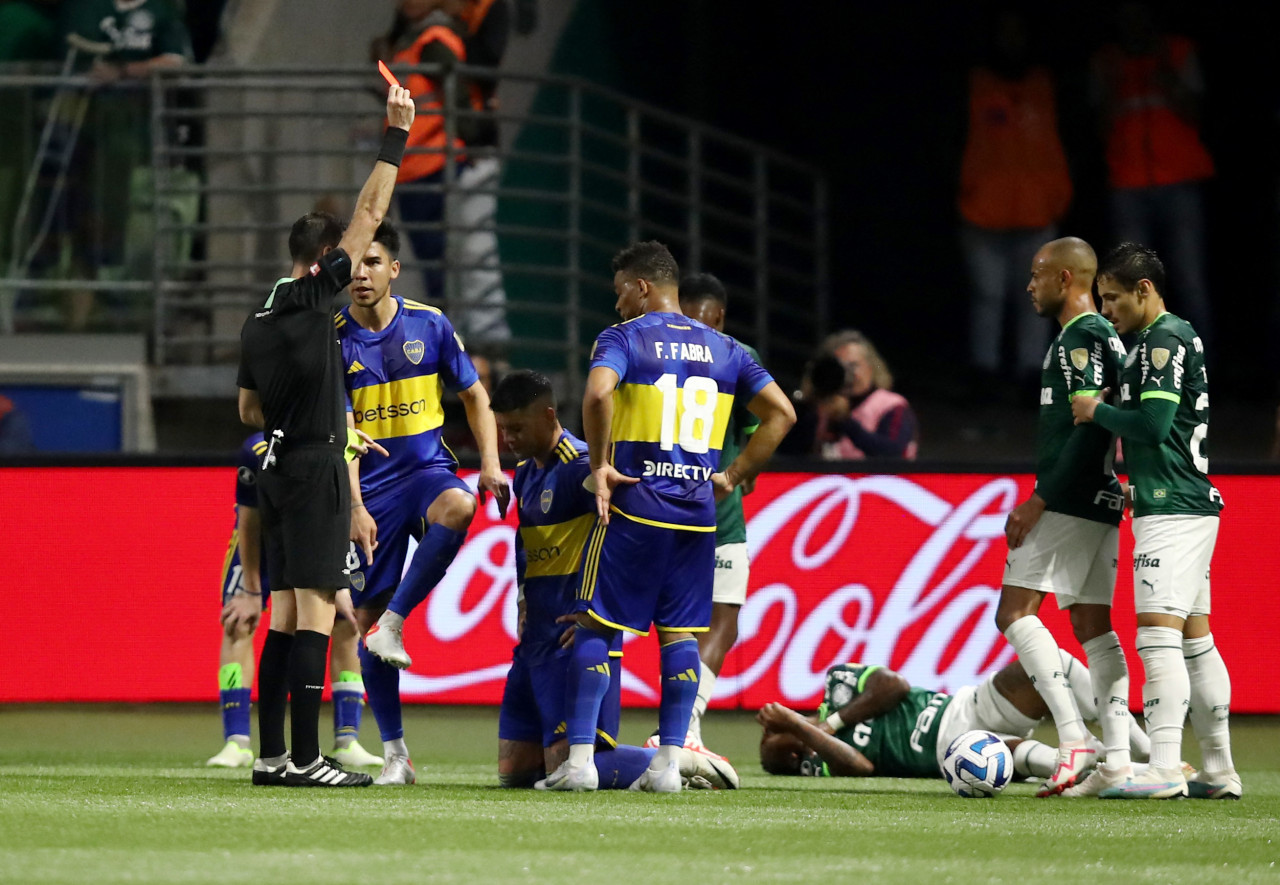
(375, 196)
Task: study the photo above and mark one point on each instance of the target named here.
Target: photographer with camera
(847, 408)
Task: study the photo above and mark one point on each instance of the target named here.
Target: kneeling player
(873, 723)
(556, 515)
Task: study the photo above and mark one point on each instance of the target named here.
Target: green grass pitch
(119, 794)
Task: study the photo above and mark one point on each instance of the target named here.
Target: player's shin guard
(273, 693)
(382, 684)
(1109, 681)
(588, 682)
(1210, 702)
(233, 694)
(680, 668)
(622, 766)
(348, 701)
(1166, 693)
(431, 560)
(306, 685)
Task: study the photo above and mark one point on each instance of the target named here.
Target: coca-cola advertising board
(903, 569)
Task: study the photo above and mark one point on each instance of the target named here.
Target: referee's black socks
(306, 684)
(273, 693)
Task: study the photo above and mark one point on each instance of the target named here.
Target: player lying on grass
(556, 514)
(873, 723)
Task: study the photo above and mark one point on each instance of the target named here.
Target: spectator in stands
(472, 209)
(1014, 189)
(437, 32)
(1149, 87)
(15, 432)
(847, 408)
(126, 40)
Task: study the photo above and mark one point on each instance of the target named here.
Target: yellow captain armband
(353, 440)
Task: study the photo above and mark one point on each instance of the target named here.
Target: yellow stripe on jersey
(260, 448)
(555, 549)
(418, 305)
(398, 408)
(566, 451)
(591, 565)
(637, 415)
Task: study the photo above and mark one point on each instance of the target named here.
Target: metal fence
(235, 155)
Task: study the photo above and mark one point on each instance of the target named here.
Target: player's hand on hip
(1022, 519)
(722, 486)
(400, 107)
(493, 481)
(1083, 406)
(364, 531)
(607, 478)
(566, 638)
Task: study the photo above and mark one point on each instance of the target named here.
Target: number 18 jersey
(675, 393)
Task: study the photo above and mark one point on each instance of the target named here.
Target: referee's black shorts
(305, 499)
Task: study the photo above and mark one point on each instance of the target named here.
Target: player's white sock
(1039, 656)
(706, 686)
(1034, 759)
(1166, 693)
(391, 620)
(396, 747)
(1109, 684)
(667, 753)
(1210, 702)
(1080, 683)
(581, 754)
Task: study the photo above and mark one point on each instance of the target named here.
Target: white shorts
(981, 707)
(733, 569)
(1171, 555)
(1072, 558)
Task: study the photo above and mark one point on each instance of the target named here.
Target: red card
(386, 73)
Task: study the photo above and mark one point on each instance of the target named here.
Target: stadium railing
(237, 154)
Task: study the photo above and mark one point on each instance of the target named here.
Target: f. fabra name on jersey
(695, 472)
(683, 350)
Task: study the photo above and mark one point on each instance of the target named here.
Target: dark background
(875, 94)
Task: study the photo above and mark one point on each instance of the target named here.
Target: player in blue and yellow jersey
(245, 592)
(556, 515)
(399, 357)
(657, 402)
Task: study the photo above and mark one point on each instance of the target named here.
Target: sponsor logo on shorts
(414, 351)
(724, 563)
(1142, 560)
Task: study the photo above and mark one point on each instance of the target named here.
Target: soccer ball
(977, 764)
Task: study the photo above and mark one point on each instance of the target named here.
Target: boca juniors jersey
(556, 516)
(395, 379)
(675, 393)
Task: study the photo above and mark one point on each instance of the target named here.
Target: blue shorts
(233, 573)
(635, 574)
(400, 510)
(533, 700)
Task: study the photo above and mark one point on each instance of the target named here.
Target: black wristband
(393, 142)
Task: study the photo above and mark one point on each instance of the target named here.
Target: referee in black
(291, 386)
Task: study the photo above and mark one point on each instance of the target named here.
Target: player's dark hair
(389, 237)
(697, 288)
(310, 234)
(648, 260)
(1130, 262)
(520, 389)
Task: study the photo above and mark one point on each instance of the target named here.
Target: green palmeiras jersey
(731, 525)
(1074, 472)
(1167, 362)
(900, 743)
